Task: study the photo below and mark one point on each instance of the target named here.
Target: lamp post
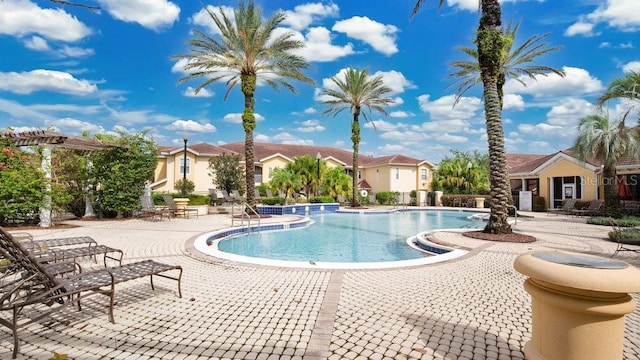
(318, 156)
(469, 166)
(184, 167)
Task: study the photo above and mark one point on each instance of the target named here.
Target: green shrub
(627, 221)
(321, 200)
(273, 201)
(387, 197)
(627, 234)
(539, 204)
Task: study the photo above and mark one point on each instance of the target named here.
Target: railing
(243, 214)
(515, 211)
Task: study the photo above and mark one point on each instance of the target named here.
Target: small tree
(227, 173)
(22, 184)
(186, 186)
(120, 173)
(286, 180)
(337, 182)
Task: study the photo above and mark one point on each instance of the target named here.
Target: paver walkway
(472, 308)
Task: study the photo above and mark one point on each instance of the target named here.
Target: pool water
(348, 237)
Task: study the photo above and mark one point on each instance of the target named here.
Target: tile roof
(264, 150)
(202, 149)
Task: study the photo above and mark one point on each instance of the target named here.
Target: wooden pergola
(49, 139)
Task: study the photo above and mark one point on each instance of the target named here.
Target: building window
(377, 174)
(270, 172)
(359, 175)
(423, 174)
(397, 173)
(182, 166)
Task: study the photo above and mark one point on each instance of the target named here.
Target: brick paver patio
(474, 307)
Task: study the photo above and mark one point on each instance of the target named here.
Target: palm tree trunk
(248, 84)
(490, 45)
(355, 137)
(611, 198)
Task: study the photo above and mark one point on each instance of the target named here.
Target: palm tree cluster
(248, 50)
(610, 140)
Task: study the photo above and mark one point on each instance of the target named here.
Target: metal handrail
(515, 211)
(243, 213)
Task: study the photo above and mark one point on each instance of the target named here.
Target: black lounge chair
(182, 212)
(149, 209)
(567, 207)
(26, 284)
(594, 208)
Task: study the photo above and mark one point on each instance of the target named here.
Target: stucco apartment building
(388, 173)
(552, 176)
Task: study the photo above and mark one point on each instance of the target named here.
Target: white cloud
(631, 66)
(36, 43)
(401, 114)
(512, 102)
(45, 80)
(19, 111)
(75, 52)
(22, 17)
(74, 126)
(380, 36)
(576, 81)
(262, 138)
(151, 14)
(392, 149)
(442, 108)
(190, 126)
(286, 138)
(620, 14)
(236, 118)
(303, 15)
(203, 93)
(445, 126)
(311, 126)
(310, 110)
(541, 130)
(395, 80)
(202, 18)
(318, 46)
(403, 136)
(580, 28)
(569, 112)
(382, 125)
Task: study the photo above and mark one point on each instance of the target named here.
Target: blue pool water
(348, 237)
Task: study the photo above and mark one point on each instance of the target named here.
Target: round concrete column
(578, 304)
(438, 201)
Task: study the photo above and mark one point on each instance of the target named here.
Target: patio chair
(229, 199)
(257, 195)
(149, 209)
(65, 249)
(268, 192)
(457, 202)
(594, 208)
(567, 207)
(182, 212)
(30, 286)
(215, 198)
(235, 194)
(624, 244)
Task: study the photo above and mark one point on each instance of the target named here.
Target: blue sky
(73, 69)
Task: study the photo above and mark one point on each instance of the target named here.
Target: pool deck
(473, 307)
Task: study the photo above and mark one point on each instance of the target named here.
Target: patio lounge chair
(594, 208)
(65, 249)
(149, 209)
(567, 207)
(215, 198)
(457, 202)
(30, 292)
(230, 199)
(625, 244)
(182, 212)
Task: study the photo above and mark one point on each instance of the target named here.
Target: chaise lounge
(30, 291)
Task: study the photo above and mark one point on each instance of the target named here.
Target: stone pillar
(45, 210)
(438, 200)
(578, 304)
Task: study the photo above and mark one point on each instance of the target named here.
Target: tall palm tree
(490, 40)
(357, 90)
(287, 180)
(246, 50)
(608, 141)
(627, 87)
(514, 63)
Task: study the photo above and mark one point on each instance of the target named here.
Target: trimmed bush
(273, 201)
(321, 200)
(632, 234)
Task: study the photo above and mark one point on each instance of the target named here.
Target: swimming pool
(344, 240)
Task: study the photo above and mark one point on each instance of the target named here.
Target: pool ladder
(242, 209)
